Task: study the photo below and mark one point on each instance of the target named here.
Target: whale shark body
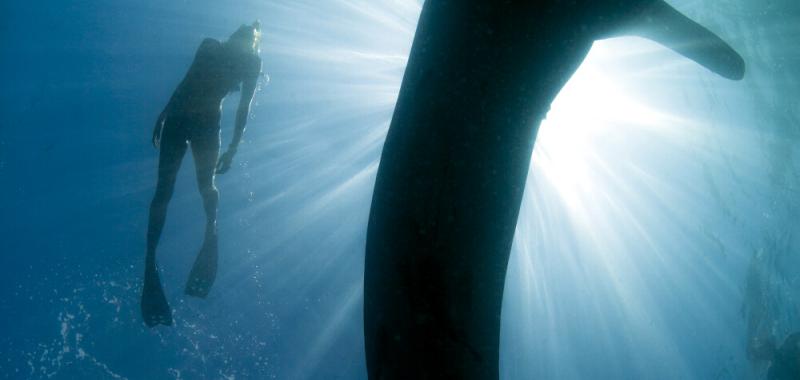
(480, 78)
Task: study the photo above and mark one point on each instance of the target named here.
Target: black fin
(663, 24)
(155, 309)
(204, 270)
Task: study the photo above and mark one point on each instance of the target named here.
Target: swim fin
(204, 270)
(155, 309)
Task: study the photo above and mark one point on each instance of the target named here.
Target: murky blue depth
(660, 228)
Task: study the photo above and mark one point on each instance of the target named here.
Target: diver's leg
(206, 154)
(155, 309)
(169, 161)
(205, 150)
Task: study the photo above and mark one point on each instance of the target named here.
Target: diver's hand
(224, 162)
(157, 131)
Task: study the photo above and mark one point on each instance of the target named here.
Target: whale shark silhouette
(480, 78)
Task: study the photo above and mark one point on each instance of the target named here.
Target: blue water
(655, 189)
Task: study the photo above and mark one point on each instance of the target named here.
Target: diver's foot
(155, 309)
(204, 271)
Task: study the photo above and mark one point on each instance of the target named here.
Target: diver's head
(246, 38)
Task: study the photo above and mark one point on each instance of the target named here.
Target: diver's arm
(162, 117)
(242, 112)
(157, 130)
(172, 103)
(248, 91)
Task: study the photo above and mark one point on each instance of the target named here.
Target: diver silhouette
(480, 78)
(192, 119)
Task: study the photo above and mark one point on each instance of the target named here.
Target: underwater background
(659, 233)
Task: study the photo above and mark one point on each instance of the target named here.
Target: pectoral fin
(663, 24)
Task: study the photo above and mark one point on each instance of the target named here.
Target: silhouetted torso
(216, 71)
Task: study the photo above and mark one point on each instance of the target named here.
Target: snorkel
(246, 38)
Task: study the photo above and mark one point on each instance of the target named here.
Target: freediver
(191, 118)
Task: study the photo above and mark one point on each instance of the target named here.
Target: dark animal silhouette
(480, 78)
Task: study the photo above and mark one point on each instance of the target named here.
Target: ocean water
(659, 233)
